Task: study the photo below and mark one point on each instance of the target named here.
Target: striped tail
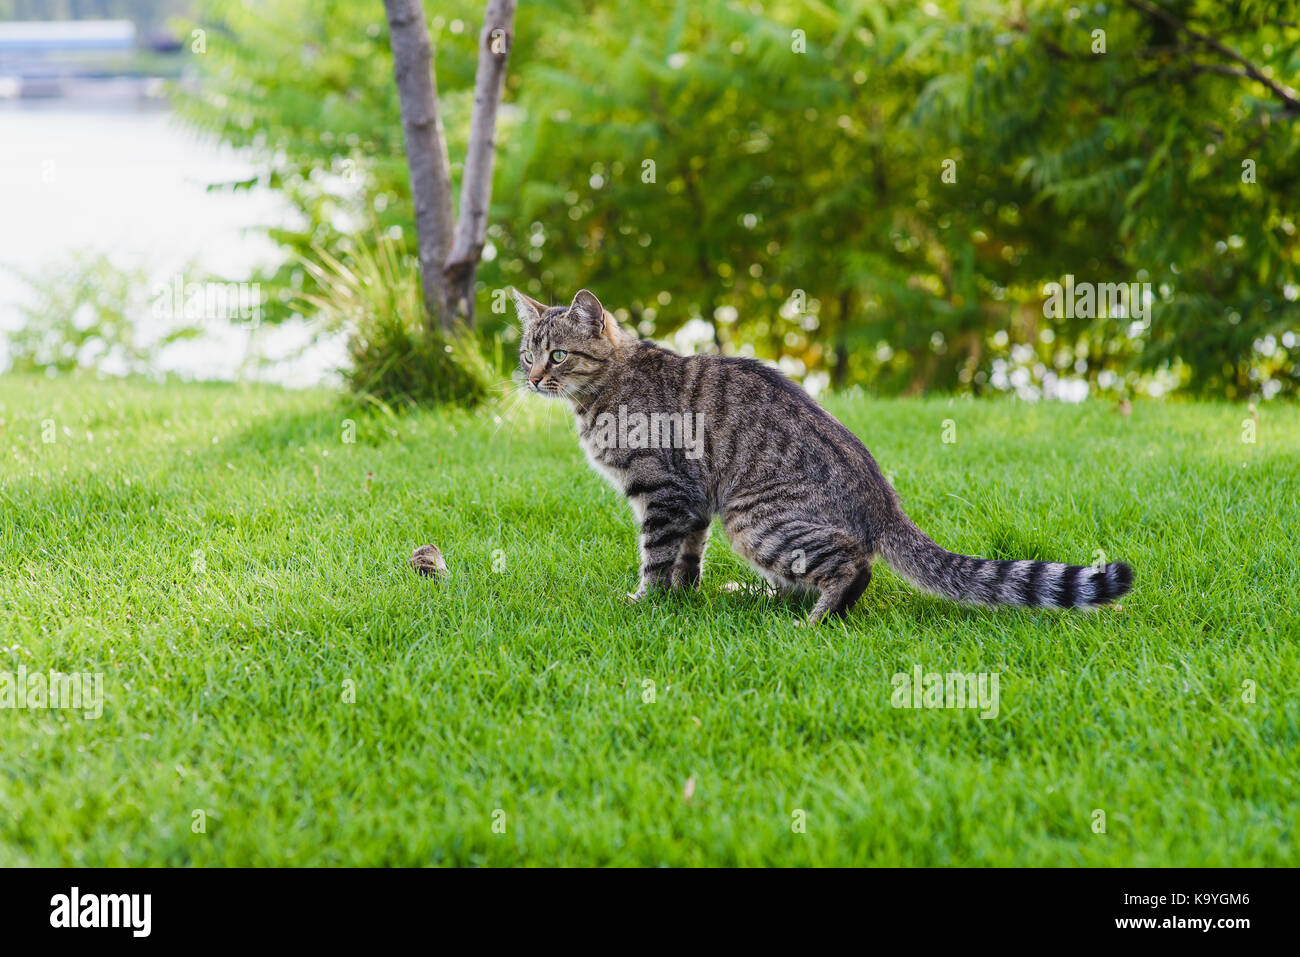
(983, 581)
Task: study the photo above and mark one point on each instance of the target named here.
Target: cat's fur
(799, 495)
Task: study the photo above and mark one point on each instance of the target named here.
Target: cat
(800, 497)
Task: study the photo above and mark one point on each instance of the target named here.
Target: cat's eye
(528, 357)
(559, 355)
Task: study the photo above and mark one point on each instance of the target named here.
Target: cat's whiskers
(509, 403)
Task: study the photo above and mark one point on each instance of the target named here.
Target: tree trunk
(840, 369)
(449, 248)
(426, 151)
(923, 363)
(461, 268)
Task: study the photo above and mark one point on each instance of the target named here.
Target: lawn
(238, 573)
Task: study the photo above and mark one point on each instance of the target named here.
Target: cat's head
(565, 350)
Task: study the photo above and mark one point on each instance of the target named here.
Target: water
(119, 175)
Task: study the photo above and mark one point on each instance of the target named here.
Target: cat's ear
(587, 310)
(527, 308)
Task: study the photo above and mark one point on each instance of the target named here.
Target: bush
(86, 313)
(396, 356)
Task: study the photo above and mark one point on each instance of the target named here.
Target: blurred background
(872, 195)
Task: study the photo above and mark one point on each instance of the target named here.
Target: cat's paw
(635, 596)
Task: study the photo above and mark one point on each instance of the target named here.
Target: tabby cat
(689, 437)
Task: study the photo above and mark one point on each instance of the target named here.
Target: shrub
(397, 357)
(86, 313)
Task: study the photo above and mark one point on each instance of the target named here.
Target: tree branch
(476, 183)
(1288, 96)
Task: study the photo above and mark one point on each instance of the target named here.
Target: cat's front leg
(673, 528)
(662, 536)
(686, 570)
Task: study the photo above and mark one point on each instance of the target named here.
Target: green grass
(228, 563)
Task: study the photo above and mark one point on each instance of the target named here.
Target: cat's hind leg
(799, 555)
(841, 588)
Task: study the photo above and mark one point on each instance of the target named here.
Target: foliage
(1162, 156)
(307, 86)
(797, 205)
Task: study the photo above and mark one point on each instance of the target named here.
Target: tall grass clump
(396, 355)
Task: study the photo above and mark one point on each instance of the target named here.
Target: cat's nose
(534, 379)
